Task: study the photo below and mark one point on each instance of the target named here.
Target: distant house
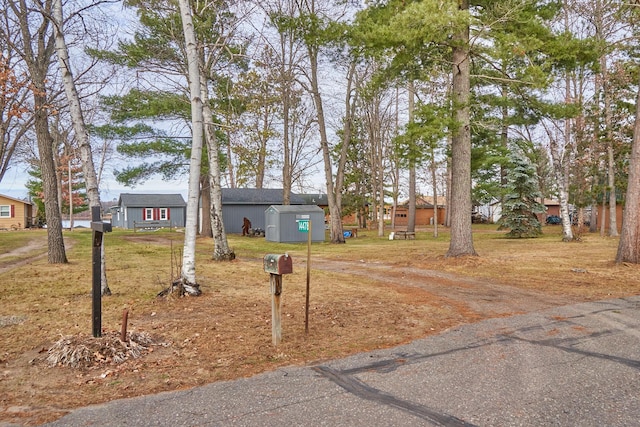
(15, 214)
(424, 211)
(487, 213)
(238, 203)
(164, 210)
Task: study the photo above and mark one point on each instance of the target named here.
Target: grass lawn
(368, 293)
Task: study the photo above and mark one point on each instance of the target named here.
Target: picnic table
(403, 234)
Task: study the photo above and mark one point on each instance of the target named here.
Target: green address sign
(303, 225)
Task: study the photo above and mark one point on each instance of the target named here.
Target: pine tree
(520, 204)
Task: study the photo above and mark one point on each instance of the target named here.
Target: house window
(155, 214)
(147, 214)
(6, 211)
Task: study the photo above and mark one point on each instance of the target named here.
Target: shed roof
(315, 199)
(296, 208)
(151, 200)
(257, 196)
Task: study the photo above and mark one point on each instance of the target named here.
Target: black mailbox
(278, 264)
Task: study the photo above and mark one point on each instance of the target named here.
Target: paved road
(576, 365)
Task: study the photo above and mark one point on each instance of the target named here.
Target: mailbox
(278, 264)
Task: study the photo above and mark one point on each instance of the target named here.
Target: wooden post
(276, 307)
(99, 228)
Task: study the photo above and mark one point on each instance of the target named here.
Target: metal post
(306, 307)
(99, 228)
(96, 291)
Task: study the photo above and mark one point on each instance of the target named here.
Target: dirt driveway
(480, 299)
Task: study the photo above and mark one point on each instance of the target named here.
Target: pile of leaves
(86, 351)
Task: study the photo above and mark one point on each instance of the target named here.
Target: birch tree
(188, 281)
(80, 128)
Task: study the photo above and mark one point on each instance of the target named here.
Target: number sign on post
(304, 226)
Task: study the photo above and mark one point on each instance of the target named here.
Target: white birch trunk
(188, 274)
(221, 249)
(561, 172)
(79, 127)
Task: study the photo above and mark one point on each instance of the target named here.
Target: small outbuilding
(155, 210)
(250, 203)
(282, 223)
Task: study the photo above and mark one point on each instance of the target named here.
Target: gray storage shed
(238, 203)
(282, 226)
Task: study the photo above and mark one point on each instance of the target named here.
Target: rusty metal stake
(123, 329)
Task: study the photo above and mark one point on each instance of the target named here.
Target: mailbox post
(276, 266)
(99, 228)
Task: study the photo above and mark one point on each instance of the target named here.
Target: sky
(14, 181)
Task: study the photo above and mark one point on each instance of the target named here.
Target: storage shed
(282, 223)
(238, 203)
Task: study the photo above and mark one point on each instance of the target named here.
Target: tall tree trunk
(188, 274)
(286, 145)
(460, 204)
(602, 82)
(395, 164)
(350, 108)
(56, 251)
(80, 128)
(411, 214)
(38, 65)
(603, 213)
(447, 190)
(434, 187)
(593, 217)
(221, 249)
(230, 168)
(333, 196)
(561, 172)
(611, 164)
(595, 138)
(262, 152)
(629, 245)
(205, 206)
(380, 173)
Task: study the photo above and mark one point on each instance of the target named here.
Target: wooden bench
(406, 235)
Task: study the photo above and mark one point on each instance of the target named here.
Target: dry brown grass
(226, 332)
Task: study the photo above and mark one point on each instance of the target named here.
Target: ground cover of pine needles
(180, 342)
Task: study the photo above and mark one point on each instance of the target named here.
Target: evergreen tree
(520, 205)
